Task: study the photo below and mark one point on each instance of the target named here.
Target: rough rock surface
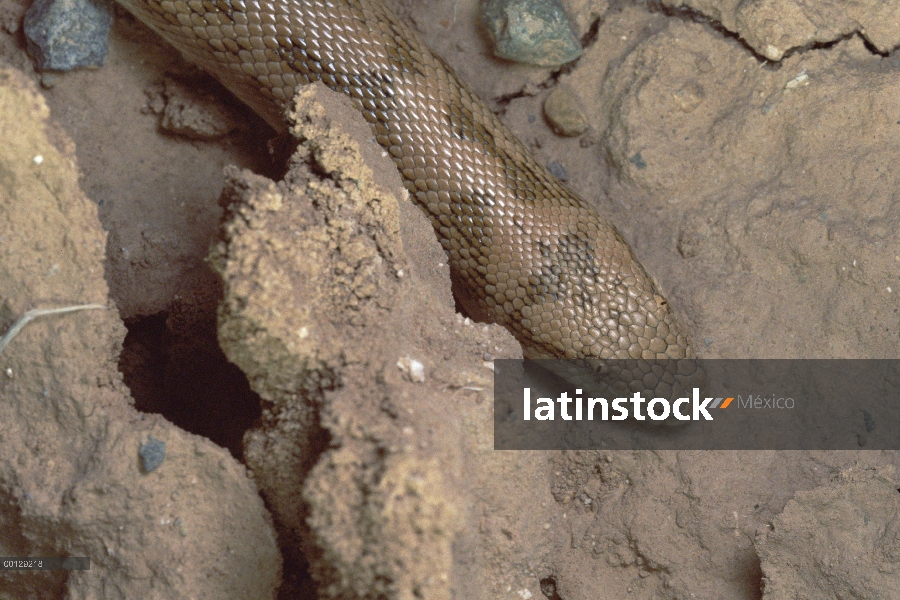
(774, 27)
(68, 34)
(71, 482)
(536, 32)
(840, 540)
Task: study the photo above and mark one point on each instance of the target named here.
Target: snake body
(524, 250)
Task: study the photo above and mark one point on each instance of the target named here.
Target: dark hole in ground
(173, 365)
(748, 571)
(548, 588)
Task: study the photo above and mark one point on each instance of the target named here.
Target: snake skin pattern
(524, 250)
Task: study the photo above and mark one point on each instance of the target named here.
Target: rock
(564, 113)
(536, 32)
(772, 28)
(152, 453)
(68, 34)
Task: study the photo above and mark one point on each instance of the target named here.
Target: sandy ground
(745, 150)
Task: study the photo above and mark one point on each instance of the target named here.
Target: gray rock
(153, 453)
(536, 32)
(67, 34)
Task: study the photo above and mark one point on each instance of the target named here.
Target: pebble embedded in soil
(152, 453)
(564, 113)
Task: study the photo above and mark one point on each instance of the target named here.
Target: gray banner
(697, 405)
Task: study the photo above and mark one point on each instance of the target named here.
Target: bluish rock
(536, 32)
(153, 453)
(67, 34)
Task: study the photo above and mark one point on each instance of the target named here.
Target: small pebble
(535, 32)
(153, 453)
(413, 369)
(416, 371)
(563, 112)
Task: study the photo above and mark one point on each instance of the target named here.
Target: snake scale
(524, 250)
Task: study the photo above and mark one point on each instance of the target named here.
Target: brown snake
(525, 251)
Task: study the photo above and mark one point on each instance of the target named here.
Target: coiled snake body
(525, 251)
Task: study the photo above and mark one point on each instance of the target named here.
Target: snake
(524, 250)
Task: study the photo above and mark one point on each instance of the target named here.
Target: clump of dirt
(374, 390)
(187, 111)
(71, 480)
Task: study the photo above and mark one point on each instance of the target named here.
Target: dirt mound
(72, 482)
